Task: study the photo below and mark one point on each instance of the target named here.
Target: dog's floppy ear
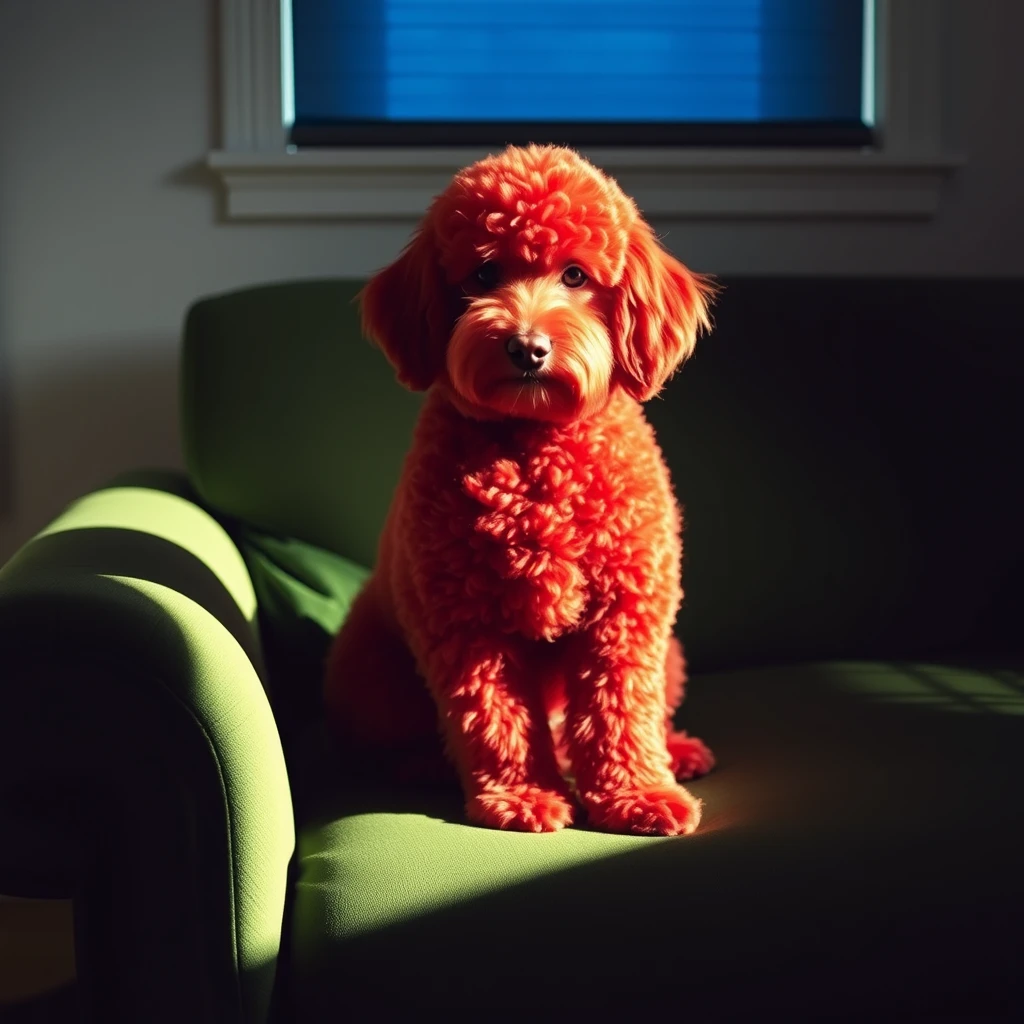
(406, 310)
(661, 309)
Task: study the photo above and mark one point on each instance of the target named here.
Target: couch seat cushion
(859, 855)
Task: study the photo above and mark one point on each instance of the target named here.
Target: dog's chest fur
(542, 526)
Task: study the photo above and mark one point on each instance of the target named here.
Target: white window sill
(390, 184)
(902, 179)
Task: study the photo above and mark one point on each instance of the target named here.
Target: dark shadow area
(846, 452)
(62, 1006)
(331, 782)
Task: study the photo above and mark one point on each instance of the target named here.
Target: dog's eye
(488, 274)
(573, 277)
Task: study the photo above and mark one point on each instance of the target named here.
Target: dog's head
(534, 288)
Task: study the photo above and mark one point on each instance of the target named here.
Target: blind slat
(565, 60)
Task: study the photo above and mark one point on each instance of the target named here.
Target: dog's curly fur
(529, 569)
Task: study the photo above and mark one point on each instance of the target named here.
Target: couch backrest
(847, 452)
(292, 422)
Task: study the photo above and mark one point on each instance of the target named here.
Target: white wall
(109, 228)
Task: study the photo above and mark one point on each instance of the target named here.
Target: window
(899, 174)
(676, 72)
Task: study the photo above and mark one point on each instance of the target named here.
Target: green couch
(848, 453)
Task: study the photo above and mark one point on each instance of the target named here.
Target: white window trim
(901, 178)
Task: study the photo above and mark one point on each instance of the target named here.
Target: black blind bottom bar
(740, 135)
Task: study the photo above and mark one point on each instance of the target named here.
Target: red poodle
(529, 568)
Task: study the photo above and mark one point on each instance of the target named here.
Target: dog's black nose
(528, 351)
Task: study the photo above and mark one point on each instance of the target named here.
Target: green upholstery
(847, 454)
(140, 765)
(848, 821)
(292, 422)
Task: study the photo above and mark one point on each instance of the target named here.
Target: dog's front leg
(616, 730)
(497, 734)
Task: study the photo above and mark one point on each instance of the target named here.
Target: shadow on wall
(111, 406)
(6, 433)
(6, 386)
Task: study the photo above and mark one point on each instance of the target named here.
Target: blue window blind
(581, 62)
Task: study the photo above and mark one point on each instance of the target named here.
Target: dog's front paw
(690, 756)
(650, 811)
(521, 808)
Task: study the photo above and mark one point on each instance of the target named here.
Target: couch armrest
(141, 769)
